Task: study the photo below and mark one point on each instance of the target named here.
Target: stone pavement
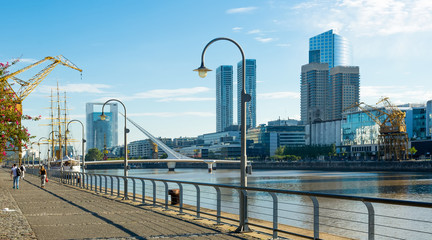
(66, 212)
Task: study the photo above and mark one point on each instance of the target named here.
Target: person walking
(15, 174)
(23, 169)
(43, 174)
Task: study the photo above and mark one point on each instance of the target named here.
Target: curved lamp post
(83, 140)
(103, 117)
(202, 71)
(40, 150)
(52, 150)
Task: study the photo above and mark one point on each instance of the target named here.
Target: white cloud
(237, 29)
(397, 94)
(76, 88)
(25, 60)
(370, 17)
(264, 40)
(279, 95)
(255, 31)
(186, 99)
(283, 45)
(241, 10)
(173, 114)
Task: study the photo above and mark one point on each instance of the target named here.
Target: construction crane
(26, 87)
(393, 138)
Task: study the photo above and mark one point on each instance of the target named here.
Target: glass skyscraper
(250, 89)
(100, 132)
(331, 48)
(224, 97)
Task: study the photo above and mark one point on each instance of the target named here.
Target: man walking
(15, 174)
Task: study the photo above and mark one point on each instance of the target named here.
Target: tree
(164, 156)
(94, 154)
(412, 151)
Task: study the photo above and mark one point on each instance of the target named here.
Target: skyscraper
(100, 132)
(345, 86)
(313, 92)
(250, 89)
(224, 97)
(331, 48)
(323, 97)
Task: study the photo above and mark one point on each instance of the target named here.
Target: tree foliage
(94, 154)
(308, 151)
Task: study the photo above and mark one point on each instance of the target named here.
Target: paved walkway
(66, 212)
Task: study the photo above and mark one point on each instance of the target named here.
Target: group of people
(19, 172)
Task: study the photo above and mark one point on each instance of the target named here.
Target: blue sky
(143, 53)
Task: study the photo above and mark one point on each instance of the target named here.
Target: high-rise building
(224, 97)
(331, 48)
(314, 85)
(323, 98)
(250, 89)
(345, 84)
(101, 132)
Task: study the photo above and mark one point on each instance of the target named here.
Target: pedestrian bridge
(173, 156)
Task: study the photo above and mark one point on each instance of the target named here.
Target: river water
(336, 217)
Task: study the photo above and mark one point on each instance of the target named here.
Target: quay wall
(402, 166)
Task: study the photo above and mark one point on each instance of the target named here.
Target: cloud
(25, 60)
(397, 94)
(237, 29)
(264, 40)
(369, 17)
(186, 99)
(255, 31)
(76, 88)
(283, 45)
(241, 10)
(173, 114)
(279, 95)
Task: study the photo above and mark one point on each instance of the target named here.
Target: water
(294, 210)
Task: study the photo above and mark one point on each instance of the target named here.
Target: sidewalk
(65, 212)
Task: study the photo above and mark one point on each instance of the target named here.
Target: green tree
(94, 154)
(412, 151)
(164, 156)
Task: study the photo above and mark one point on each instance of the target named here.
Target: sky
(143, 53)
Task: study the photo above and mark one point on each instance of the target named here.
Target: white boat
(69, 165)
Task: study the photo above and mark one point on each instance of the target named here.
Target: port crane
(393, 138)
(27, 86)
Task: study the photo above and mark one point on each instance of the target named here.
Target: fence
(281, 213)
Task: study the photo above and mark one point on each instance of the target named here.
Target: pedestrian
(23, 169)
(43, 174)
(15, 174)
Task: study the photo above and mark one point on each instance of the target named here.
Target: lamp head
(67, 131)
(202, 71)
(103, 117)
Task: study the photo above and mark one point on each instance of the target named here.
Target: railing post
(133, 190)
(118, 186)
(371, 220)
(87, 183)
(112, 185)
(316, 216)
(125, 182)
(100, 183)
(166, 195)
(96, 182)
(154, 192)
(275, 215)
(181, 198)
(106, 184)
(91, 182)
(143, 190)
(198, 201)
(218, 205)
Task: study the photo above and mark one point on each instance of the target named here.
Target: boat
(69, 165)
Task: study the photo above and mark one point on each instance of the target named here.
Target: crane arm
(6, 77)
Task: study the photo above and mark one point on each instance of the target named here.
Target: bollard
(175, 196)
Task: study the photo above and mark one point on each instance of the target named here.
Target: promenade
(65, 212)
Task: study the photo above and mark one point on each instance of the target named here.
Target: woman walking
(43, 174)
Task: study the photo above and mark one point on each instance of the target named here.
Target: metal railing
(281, 213)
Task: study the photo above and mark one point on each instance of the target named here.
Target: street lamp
(202, 71)
(103, 117)
(83, 140)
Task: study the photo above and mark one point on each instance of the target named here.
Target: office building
(250, 73)
(224, 97)
(345, 86)
(429, 119)
(331, 48)
(101, 132)
(314, 92)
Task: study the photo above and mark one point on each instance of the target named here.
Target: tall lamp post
(202, 71)
(103, 117)
(83, 140)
